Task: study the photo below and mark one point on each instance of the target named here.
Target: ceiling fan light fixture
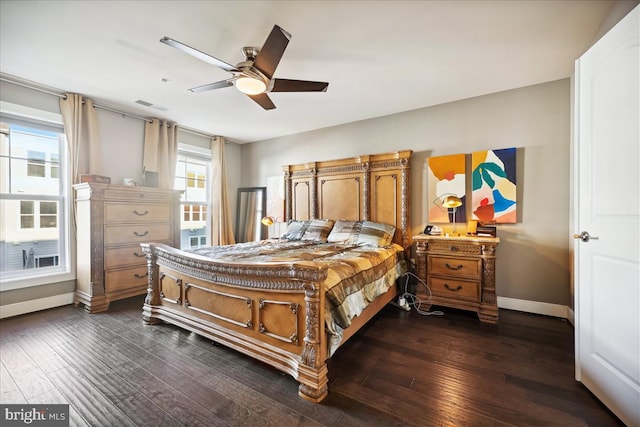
(250, 86)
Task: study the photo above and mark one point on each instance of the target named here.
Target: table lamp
(452, 201)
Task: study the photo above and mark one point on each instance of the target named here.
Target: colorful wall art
(493, 186)
(446, 176)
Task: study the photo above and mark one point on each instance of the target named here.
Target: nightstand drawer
(136, 212)
(458, 289)
(460, 267)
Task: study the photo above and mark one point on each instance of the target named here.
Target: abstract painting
(446, 176)
(493, 186)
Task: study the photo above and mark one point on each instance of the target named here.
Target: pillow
(375, 234)
(294, 231)
(315, 230)
(344, 232)
(318, 230)
(362, 233)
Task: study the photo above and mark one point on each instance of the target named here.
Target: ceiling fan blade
(198, 54)
(273, 49)
(286, 85)
(264, 101)
(212, 86)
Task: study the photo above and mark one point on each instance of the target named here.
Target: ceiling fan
(254, 75)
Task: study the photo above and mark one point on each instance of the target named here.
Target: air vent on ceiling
(145, 103)
(149, 104)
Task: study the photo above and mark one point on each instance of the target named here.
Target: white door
(606, 185)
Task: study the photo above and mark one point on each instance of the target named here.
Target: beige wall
(533, 257)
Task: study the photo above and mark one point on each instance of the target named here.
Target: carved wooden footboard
(273, 313)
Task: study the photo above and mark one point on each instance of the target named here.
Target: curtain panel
(221, 223)
(81, 129)
(161, 151)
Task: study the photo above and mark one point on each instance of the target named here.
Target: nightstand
(460, 271)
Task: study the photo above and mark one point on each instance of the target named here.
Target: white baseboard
(536, 307)
(25, 307)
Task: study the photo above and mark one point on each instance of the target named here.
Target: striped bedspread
(357, 275)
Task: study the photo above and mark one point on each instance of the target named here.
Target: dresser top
(466, 238)
(99, 191)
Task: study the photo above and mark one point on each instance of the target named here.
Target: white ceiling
(380, 57)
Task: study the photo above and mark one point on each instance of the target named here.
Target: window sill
(35, 280)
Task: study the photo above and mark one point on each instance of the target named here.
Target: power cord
(406, 299)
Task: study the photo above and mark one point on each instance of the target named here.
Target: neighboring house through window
(192, 172)
(33, 197)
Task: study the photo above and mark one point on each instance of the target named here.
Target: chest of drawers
(112, 221)
(460, 273)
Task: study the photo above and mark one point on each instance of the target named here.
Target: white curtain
(161, 151)
(82, 134)
(221, 224)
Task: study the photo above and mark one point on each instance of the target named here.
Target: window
(48, 214)
(26, 214)
(35, 163)
(38, 214)
(197, 241)
(33, 200)
(194, 213)
(192, 170)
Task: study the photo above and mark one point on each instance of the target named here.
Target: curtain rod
(195, 132)
(121, 112)
(59, 95)
(63, 96)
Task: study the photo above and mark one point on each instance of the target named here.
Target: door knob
(585, 236)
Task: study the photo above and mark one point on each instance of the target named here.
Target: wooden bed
(274, 312)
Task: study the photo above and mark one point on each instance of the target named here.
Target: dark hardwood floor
(403, 369)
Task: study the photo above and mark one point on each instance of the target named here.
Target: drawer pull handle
(140, 214)
(141, 235)
(141, 276)
(138, 255)
(457, 288)
(453, 267)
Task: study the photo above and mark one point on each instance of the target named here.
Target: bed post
(404, 200)
(366, 192)
(313, 193)
(288, 208)
(152, 297)
(312, 371)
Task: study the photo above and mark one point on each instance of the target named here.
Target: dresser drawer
(139, 233)
(121, 257)
(136, 212)
(458, 289)
(458, 267)
(126, 278)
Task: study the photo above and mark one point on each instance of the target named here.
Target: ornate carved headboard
(364, 188)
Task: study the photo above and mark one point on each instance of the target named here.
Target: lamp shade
(268, 220)
(250, 86)
(451, 201)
